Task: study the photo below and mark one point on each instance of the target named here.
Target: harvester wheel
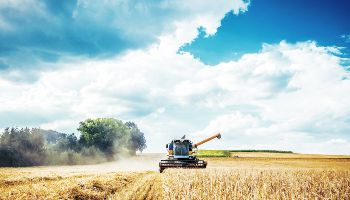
(161, 169)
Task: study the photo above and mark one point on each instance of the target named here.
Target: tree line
(100, 140)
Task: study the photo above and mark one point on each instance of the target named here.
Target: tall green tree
(109, 135)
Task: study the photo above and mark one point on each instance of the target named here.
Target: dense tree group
(112, 136)
(21, 147)
(100, 140)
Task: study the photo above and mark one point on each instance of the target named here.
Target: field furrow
(148, 187)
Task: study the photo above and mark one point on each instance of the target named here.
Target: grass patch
(264, 151)
(213, 153)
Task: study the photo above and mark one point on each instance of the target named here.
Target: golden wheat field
(242, 176)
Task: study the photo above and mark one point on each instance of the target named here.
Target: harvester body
(182, 154)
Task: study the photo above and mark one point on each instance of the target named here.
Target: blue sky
(270, 21)
(267, 74)
(58, 32)
(41, 38)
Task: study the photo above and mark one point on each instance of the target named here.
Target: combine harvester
(182, 154)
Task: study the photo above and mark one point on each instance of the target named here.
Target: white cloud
(288, 96)
(306, 104)
(44, 32)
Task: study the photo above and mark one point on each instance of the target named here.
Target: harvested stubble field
(242, 176)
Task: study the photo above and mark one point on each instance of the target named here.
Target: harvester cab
(180, 149)
(182, 154)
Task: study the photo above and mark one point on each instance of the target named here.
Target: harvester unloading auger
(182, 154)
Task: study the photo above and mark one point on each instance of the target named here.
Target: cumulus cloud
(287, 96)
(44, 32)
(306, 104)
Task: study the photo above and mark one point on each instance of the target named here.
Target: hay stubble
(226, 178)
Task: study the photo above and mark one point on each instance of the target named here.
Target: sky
(266, 74)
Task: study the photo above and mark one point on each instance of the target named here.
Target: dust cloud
(142, 162)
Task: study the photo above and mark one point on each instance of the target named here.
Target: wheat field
(257, 184)
(247, 177)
